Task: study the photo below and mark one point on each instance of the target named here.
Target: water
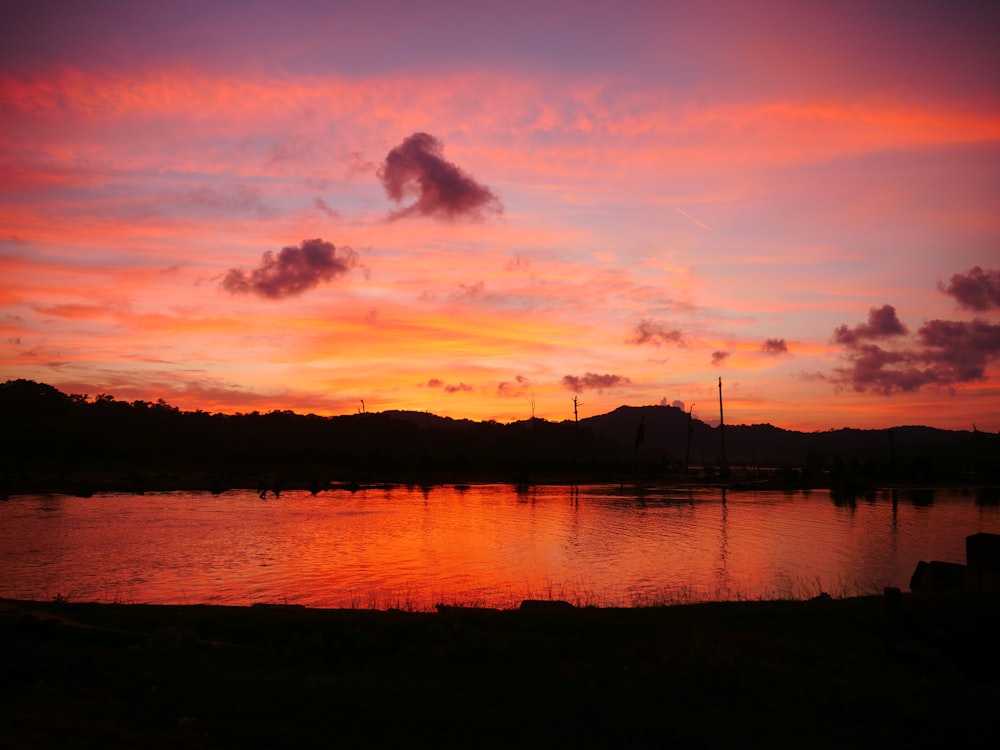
(485, 545)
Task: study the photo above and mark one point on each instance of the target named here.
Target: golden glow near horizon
(238, 222)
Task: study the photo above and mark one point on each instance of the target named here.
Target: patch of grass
(783, 673)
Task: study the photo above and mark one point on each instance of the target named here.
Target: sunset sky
(486, 209)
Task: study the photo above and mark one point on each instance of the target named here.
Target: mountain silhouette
(53, 440)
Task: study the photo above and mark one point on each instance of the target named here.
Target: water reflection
(722, 572)
(988, 496)
(919, 497)
(489, 545)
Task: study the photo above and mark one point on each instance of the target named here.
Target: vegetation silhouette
(61, 442)
(890, 672)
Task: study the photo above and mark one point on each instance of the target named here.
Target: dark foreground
(789, 674)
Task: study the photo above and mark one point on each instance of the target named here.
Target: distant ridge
(53, 434)
(666, 428)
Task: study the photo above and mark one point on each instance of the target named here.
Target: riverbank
(89, 483)
(827, 673)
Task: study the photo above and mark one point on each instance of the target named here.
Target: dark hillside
(67, 442)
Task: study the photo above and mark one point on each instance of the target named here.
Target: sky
(498, 210)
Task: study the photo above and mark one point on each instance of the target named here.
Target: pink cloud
(774, 346)
(651, 332)
(882, 323)
(944, 353)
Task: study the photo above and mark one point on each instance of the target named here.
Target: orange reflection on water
(482, 545)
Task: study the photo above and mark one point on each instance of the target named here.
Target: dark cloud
(962, 348)
(417, 168)
(719, 357)
(591, 381)
(976, 290)
(945, 353)
(292, 271)
(517, 388)
(651, 332)
(774, 346)
(882, 323)
(447, 387)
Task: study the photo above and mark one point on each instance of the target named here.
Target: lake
(490, 545)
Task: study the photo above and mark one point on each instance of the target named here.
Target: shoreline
(87, 484)
(830, 673)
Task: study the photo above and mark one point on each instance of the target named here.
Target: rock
(937, 576)
(982, 558)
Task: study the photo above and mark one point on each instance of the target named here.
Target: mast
(723, 462)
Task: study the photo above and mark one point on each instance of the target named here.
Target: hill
(67, 441)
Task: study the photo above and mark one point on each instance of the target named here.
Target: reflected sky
(483, 545)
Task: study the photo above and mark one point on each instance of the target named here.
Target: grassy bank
(823, 673)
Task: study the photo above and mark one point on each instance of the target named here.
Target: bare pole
(576, 431)
(723, 462)
(687, 453)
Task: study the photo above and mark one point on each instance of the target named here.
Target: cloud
(719, 357)
(508, 389)
(977, 290)
(417, 167)
(591, 381)
(774, 346)
(323, 206)
(677, 404)
(223, 198)
(447, 387)
(882, 323)
(471, 290)
(292, 271)
(651, 332)
(961, 348)
(944, 353)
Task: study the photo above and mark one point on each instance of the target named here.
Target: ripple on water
(486, 545)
